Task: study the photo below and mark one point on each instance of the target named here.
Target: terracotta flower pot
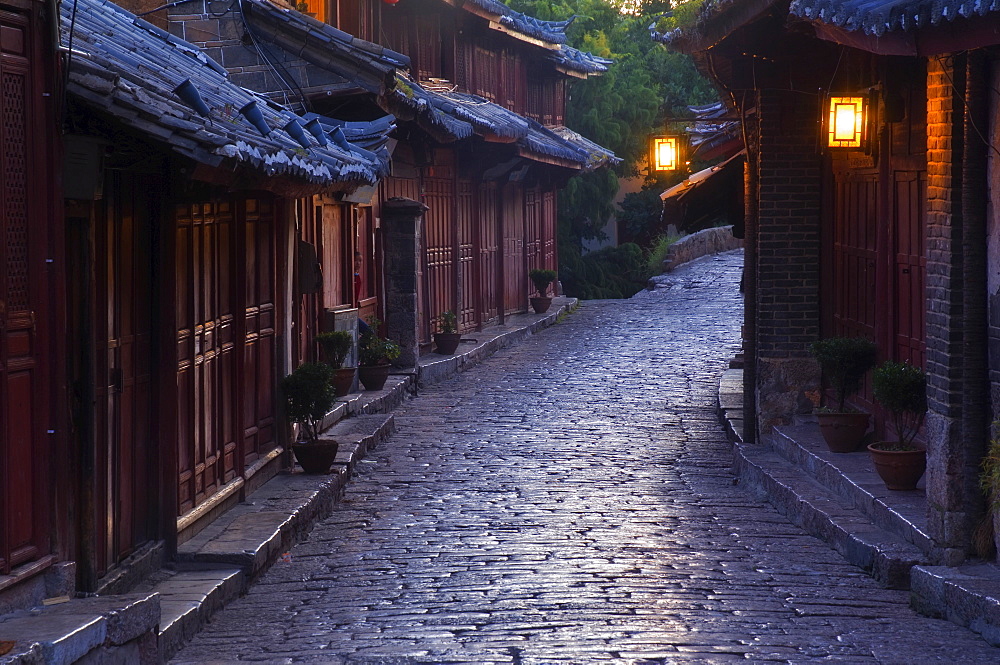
(315, 457)
(373, 377)
(343, 379)
(843, 432)
(899, 469)
(447, 343)
(540, 304)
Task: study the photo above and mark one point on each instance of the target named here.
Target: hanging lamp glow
(665, 153)
(847, 121)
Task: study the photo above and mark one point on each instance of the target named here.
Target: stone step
(968, 595)
(189, 598)
(853, 478)
(808, 504)
(107, 629)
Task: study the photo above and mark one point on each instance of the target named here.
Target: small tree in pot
(541, 279)
(374, 355)
(901, 389)
(844, 361)
(308, 398)
(336, 345)
(448, 338)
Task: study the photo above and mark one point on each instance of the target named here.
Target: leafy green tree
(620, 110)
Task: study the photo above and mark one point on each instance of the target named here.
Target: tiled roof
(581, 61)
(135, 72)
(451, 116)
(596, 155)
(553, 32)
(371, 66)
(548, 31)
(877, 17)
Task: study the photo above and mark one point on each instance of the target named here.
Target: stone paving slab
(573, 502)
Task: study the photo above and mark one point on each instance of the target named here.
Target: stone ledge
(64, 633)
(967, 595)
(808, 504)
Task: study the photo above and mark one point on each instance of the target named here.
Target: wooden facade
(33, 427)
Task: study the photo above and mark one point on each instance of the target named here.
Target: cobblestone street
(570, 500)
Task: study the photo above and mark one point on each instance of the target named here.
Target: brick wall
(956, 393)
(217, 27)
(788, 254)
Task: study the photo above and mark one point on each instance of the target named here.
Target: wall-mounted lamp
(665, 153)
(847, 122)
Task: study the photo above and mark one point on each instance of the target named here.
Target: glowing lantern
(666, 153)
(846, 123)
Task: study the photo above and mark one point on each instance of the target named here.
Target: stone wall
(788, 257)
(702, 243)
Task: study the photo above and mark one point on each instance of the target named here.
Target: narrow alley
(570, 500)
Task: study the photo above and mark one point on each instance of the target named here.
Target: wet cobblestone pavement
(570, 501)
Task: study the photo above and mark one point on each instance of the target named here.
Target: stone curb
(221, 562)
(813, 493)
(839, 499)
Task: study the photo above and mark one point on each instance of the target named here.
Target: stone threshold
(839, 498)
(221, 562)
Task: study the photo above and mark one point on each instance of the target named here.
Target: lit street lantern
(846, 122)
(666, 153)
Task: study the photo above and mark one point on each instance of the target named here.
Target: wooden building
(182, 192)
(34, 440)
(478, 94)
(893, 238)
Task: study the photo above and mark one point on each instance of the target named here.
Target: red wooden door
(549, 221)
(256, 379)
(514, 264)
(909, 266)
(854, 255)
(533, 227)
(439, 239)
(467, 229)
(488, 283)
(206, 341)
(125, 503)
(225, 342)
(25, 302)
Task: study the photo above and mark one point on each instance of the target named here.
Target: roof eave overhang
(949, 37)
(550, 160)
(712, 30)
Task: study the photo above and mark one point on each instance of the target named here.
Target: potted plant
(901, 389)
(987, 533)
(541, 279)
(448, 339)
(308, 398)
(336, 345)
(374, 355)
(844, 361)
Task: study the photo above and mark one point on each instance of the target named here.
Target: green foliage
(541, 279)
(448, 322)
(901, 389)
(657, 253)
(989, 469)
(844, 361)
(335, 345)
(641, 211)
(619, 109)
(612, 272)
(308, 397)
(375, 350)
